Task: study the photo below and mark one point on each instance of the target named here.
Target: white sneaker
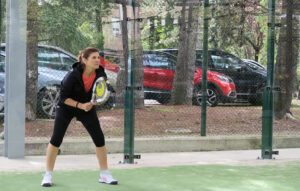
(107, 178)
(47, 180)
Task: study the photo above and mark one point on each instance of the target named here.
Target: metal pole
(204, 69)
(268, 103)
(129, 102)
(15, 78)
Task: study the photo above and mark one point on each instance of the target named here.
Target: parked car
(53, 64)
(159, 71)
(48, 88)
(254, 65)
(249, 81)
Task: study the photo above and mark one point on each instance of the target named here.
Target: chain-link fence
(165, 41)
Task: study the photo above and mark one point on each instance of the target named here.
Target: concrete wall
(170, 144)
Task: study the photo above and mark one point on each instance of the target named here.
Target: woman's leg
(102, 157)
(52, 152)
(91, 123)
(62, 121)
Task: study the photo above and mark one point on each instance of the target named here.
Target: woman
(74, 101)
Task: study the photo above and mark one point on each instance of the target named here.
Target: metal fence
(164, 70)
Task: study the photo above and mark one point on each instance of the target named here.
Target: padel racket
(101, 92)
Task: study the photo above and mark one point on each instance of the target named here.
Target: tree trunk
(151, 33)
(182, 91)
(123, 67)
(139, 67)
(191, 50)
(256, 55)
(286, 62)
(100, 39)
(32, 60)
(158, 31)
(178, 89)
(169, 26)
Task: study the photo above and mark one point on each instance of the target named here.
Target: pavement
(89, 162)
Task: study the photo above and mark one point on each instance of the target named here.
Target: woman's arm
(72, 103)
(83, 106)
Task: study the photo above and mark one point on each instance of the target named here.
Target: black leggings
(89, 120)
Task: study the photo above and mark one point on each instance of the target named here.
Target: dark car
(254, 65)
(249, 81)
(159, 72)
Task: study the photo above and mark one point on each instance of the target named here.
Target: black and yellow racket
(101, 91)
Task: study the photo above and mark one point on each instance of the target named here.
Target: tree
(255, 37)
(59, 23)
(73, 25)
(123, 66)
(286, 61)
(159, 35)
(238, 24)
(31, 60)
(101, 9)
(136, 43)
(183, 84)
(139, 67)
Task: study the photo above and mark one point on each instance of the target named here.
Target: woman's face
(93, 61)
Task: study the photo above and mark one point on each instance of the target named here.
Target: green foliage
(3, 27)
(59, 26)
(96, 39)
(298, 69)
(158, 35)
(72, 25)
(238, 27)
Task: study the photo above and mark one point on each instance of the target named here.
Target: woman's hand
(86, 106)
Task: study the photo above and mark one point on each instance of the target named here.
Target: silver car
(53, 64)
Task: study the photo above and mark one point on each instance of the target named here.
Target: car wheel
(212, 96)
(47, 99)
(163, 99)
(257, 100)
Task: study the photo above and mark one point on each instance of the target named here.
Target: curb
(164, 144)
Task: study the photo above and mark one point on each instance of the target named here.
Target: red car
(159, 71)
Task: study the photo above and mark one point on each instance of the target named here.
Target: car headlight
(224, 78)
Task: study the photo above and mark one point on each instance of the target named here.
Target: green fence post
(268, 102)
(129, 106)
(129, 116)
(129, 100)
(204, 69)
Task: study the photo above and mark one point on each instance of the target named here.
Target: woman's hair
(86, 53)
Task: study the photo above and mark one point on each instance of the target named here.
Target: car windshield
(198, 62)
(254, 65)
(47, 57)
(226, 61)
(51, 59)
(159, 60)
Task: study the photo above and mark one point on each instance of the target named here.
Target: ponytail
(80, 55)
(86, 53)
